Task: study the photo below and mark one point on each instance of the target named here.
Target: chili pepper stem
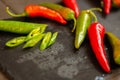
(74, 25)
(96, 9)
(96, 20)
(15, 15)
(91, 12)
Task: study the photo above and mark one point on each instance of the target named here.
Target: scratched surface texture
(60, 61)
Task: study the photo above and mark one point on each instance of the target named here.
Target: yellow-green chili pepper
(45, 41)
(53, 38)
(15, 41)
(20, 27)
(33, 41)
(115, 44)
(83, 21)
(33, 33)
(67, 13)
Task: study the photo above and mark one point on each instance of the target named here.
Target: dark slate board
(60, 61)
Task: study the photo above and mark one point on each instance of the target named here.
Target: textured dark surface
(60, 61)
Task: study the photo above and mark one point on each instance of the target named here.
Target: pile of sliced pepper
(35, 36)
(83, 24)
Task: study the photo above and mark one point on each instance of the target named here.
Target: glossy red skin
(96, 34)
(40, 11)
(107, 6)
(73, 5)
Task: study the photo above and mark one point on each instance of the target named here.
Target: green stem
(95, 18)
(74, 25)
(96, 9)
(93, 14)
(16, 15)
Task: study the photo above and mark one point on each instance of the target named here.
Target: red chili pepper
(39, 11)
(96, 33)
(73, 5)
(107, 6)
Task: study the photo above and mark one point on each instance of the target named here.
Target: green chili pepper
(53, 38)
(33, 41)
(45, 41)
(83, 22)
(33, 33)
(15, 41)
(67, 13)
(115, 44)
(19, 27)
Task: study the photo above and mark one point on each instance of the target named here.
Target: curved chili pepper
(73, 5)
(33, 41)
(15, 41)
(20, 27)
(115, 44)
(83, 21)
(67, 13)
(116, 3)
(39, 11)
(96, 34)
(107, 6)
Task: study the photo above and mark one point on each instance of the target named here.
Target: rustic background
(60, 61)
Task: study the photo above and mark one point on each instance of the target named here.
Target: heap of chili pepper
(83, 21)
(96, 33)
(115, 44)
(47, 39)
(35, 34)
(73, 5)
(96, 30)
(39, 11)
